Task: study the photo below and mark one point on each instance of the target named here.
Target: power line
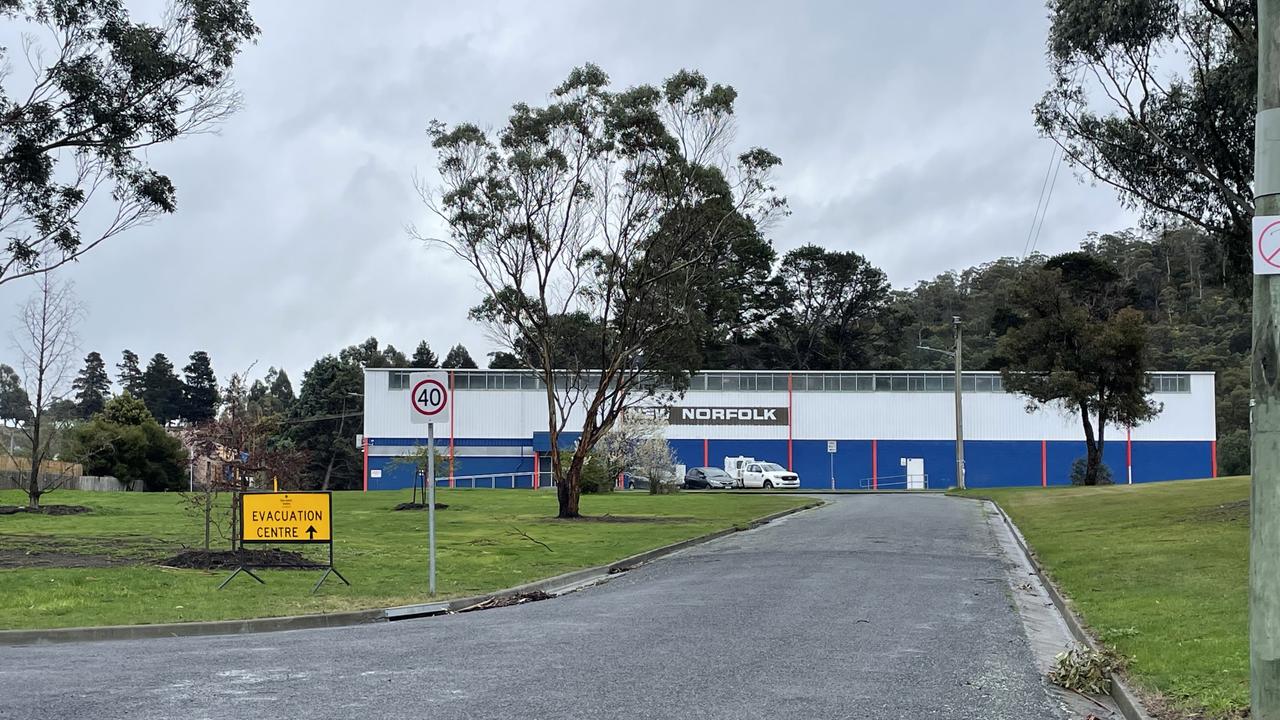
(1026, 244)
(1048, 197)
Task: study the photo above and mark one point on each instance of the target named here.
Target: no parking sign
(1266, 245)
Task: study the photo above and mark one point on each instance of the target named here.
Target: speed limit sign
(429, 397)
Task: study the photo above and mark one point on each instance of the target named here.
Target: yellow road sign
(286, 517)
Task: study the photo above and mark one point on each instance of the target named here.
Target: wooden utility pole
(1264, 505)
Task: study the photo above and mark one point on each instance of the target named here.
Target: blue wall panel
(1171, 461)
(852, 462)
(689, 452)
(1062, 453)
(1001, 463)
(939, 461)
(990, 463)
(397, 475)
(766, 450)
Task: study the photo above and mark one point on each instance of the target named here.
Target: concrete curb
(553, 585)
(1125, 698)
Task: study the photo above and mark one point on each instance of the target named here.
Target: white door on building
(915, 473)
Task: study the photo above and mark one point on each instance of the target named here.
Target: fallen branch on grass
(530, 538)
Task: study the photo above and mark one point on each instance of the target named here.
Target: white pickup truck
(751, 473)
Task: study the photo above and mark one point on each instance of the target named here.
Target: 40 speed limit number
(429, 397)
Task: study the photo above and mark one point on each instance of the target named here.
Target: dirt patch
(624, 519)
(230, 560)
(508, 600)
(14, 558)
(1227, 512)
(53, 551)
(418, 506)
(45, 509)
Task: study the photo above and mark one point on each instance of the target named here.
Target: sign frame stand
(238, 531)
(246, 571)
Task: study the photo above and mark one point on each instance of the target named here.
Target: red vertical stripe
(452, 398)
(875, 481)
(790, 422)
(1044, 464)
(535, 470)
(1213, 456)
(366, 464)
(706, 456)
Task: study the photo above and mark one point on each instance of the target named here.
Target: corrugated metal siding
(498, 431)
(815, 415)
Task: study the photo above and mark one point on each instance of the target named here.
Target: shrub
(596, 476)
(1077, 472)
(125, 442)
(1233, 453)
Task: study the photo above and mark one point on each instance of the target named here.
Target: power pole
(955, 322)
(959, 340)
(1264, 504)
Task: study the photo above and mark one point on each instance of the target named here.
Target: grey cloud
(905, 132)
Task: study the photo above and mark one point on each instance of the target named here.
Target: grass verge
(1157, 571)
(118, 546)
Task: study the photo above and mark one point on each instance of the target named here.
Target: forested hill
(846, 317)
(1196, 322)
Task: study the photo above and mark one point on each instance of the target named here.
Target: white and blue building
(884, 424)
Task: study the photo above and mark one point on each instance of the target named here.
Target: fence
(499, 481)
(895, 482)
(96, 483)
(14, 480)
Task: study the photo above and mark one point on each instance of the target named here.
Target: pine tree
(130, 375)
(423, 357)
(281, 389)
(162, 390)
(393, 358)
(199, 389)
(458, 357)
(502, 360)
(92, 386)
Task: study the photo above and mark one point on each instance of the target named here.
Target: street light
(955, 324)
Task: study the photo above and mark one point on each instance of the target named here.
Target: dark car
(707, 478)
(632, 481)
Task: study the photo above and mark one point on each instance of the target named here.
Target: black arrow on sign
(311, 532)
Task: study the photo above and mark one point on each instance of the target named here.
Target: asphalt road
(872, 607)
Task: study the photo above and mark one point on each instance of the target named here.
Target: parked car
(632, 481)
(768, 475)
(707, 478)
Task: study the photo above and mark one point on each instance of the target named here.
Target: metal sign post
(831, 455)
(431, 507)
(429, 403)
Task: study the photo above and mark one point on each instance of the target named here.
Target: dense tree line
(850, 320)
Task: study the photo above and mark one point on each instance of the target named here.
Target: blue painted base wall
(990, 463)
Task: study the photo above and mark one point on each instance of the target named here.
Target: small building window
(398, 381)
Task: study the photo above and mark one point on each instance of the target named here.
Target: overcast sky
(905, 133)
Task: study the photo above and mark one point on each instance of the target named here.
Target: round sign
(429, 397)
(1269, 244)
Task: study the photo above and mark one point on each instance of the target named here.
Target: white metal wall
(517, 414)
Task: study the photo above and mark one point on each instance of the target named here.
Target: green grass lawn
(1158, 571)
(383, 553)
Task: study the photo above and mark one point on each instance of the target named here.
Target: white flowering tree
(638, 442)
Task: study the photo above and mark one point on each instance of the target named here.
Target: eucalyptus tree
(616, 206)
